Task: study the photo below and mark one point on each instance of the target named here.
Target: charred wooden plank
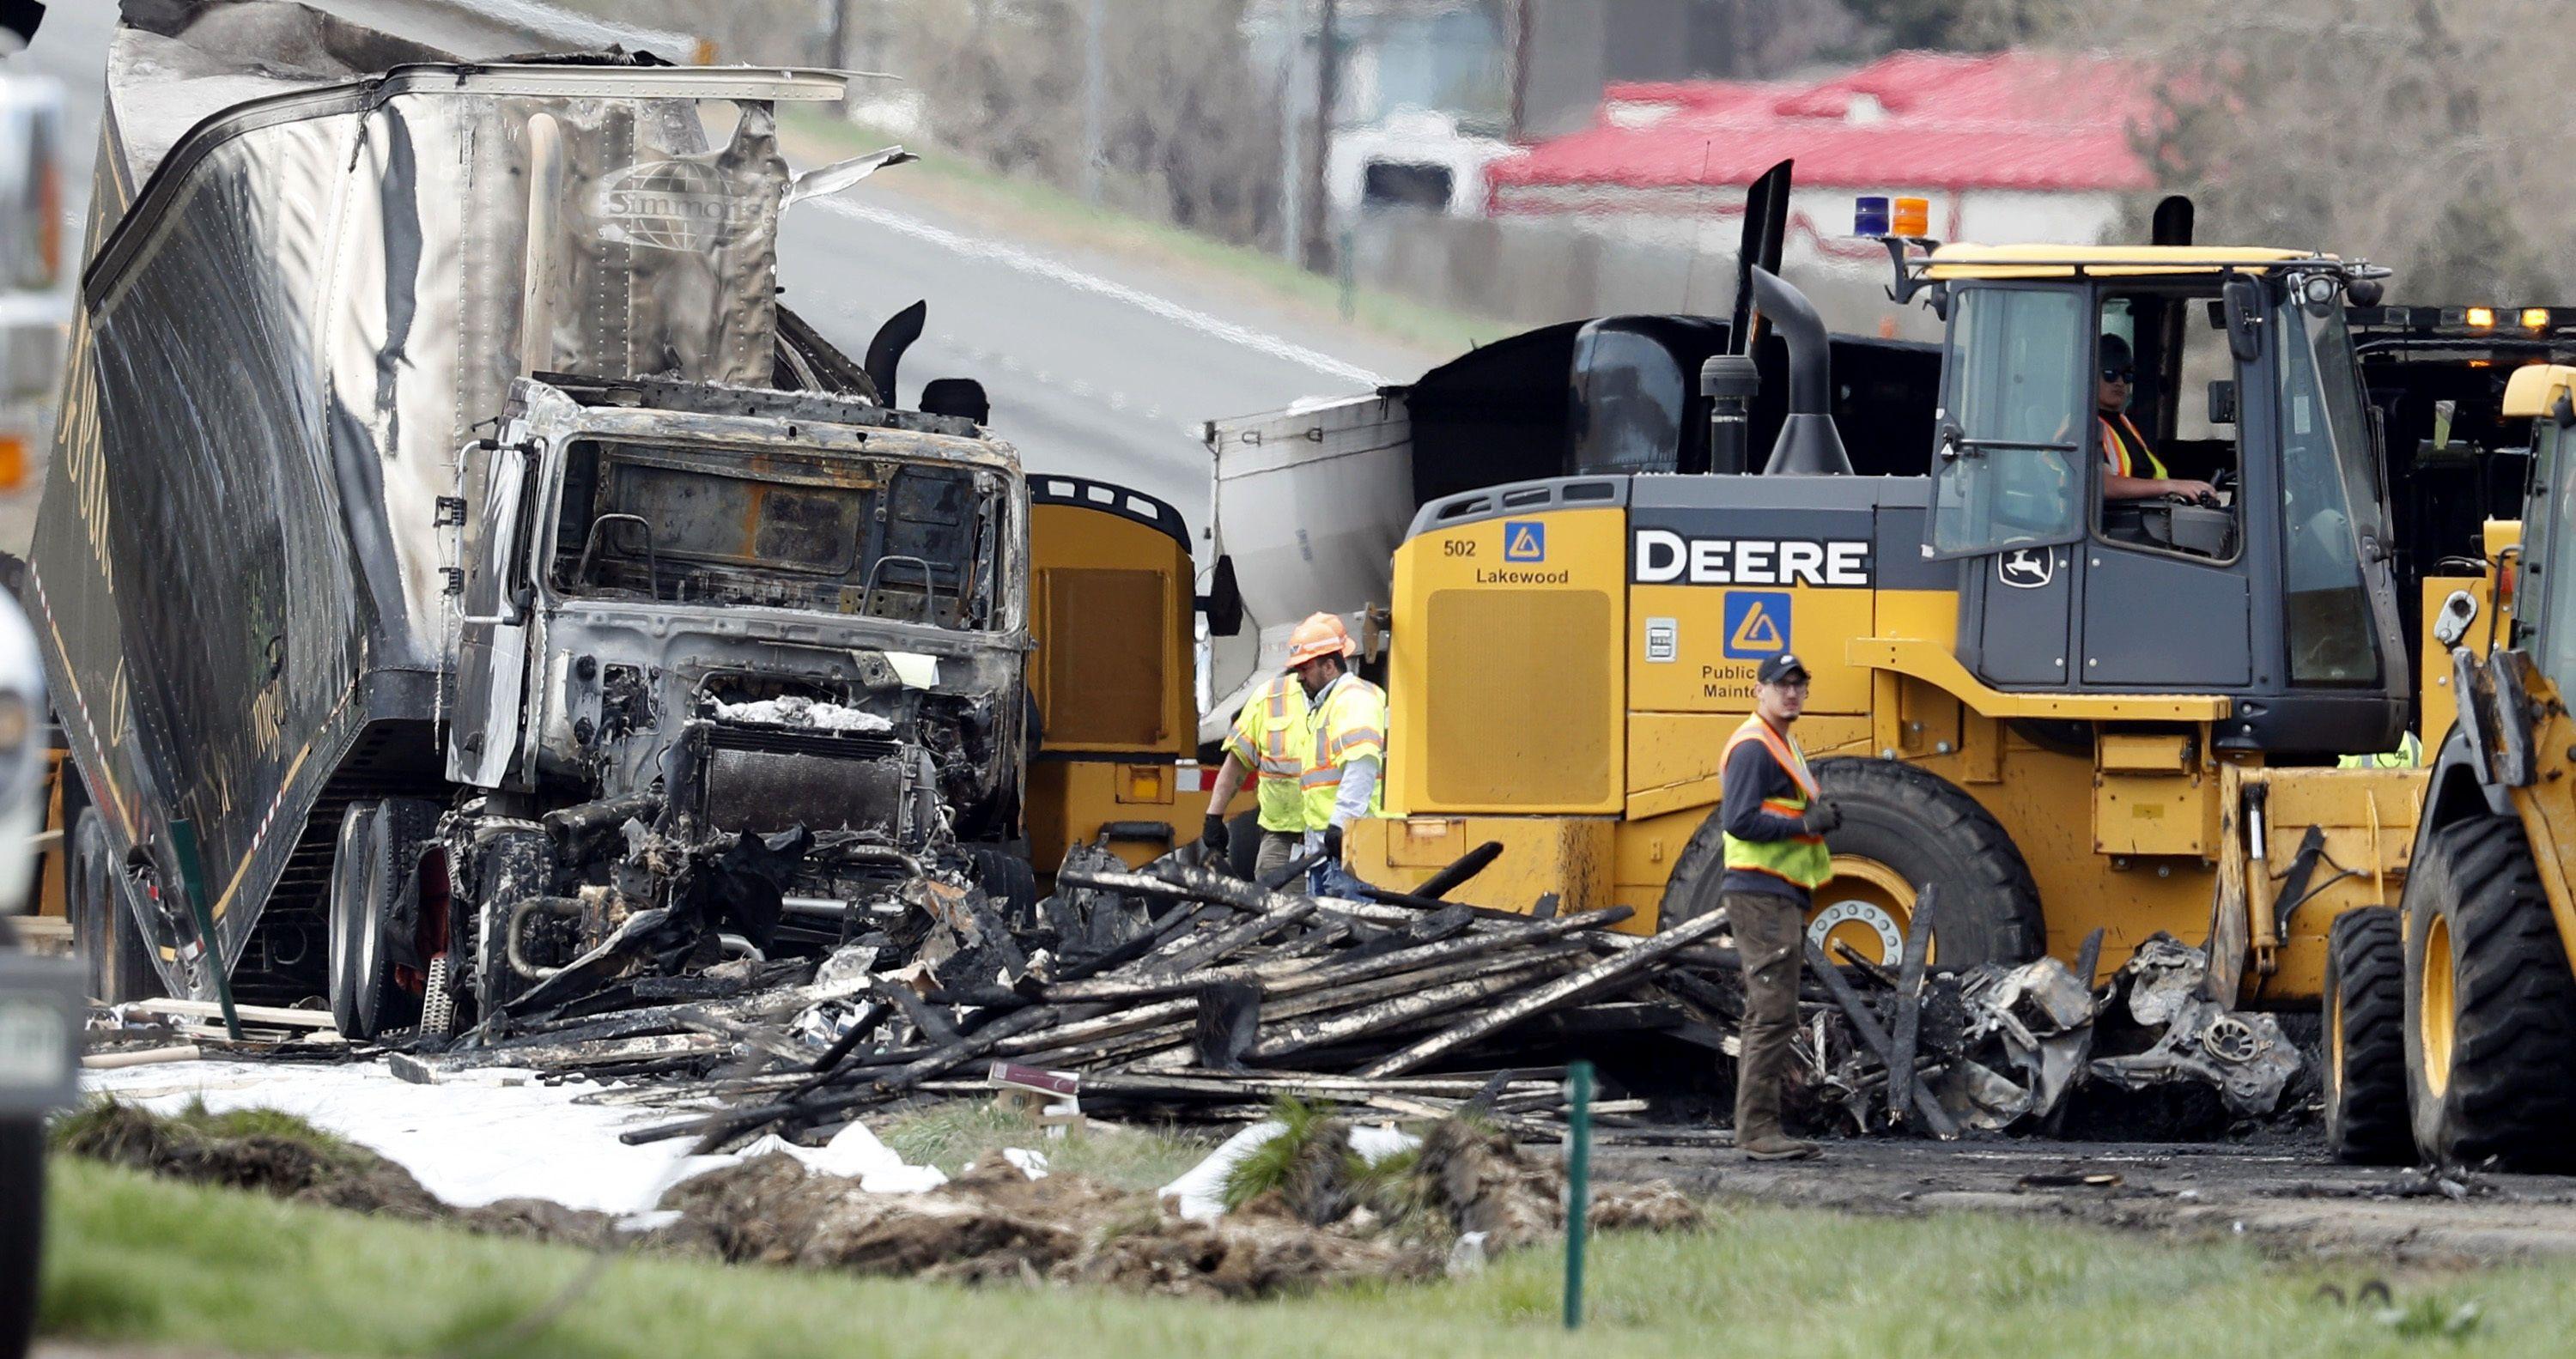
(1909, 1006)
(1414, 1002)
(1285, 976)
(761, 1037)
(1599, 976)
(1239, 936)
(1464, 867)
(566, 1056)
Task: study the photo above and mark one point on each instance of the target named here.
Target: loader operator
(2130, 469)
(1317, 737)
(1775, 818)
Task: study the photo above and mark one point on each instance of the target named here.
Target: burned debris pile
(1177, 993)
(1994, 1048)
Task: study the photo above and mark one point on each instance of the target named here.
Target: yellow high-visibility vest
(1801, 859)
(1268, 737)
(2408, 754)
(2117, 454)
(1349, 724)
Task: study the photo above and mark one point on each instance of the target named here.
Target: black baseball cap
(1784, 665)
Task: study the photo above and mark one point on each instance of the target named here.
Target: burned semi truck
(461, 575)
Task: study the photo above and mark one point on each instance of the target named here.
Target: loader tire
(1902, 829)
(22, 1230)
(104, 930)
(2490, 1004)
(366, 868)
(2365, 1035)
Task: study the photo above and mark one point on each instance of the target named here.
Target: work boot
(1778, 1146)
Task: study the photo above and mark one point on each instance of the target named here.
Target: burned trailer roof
(703, 398)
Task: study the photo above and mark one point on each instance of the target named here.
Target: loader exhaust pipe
(1808, 445)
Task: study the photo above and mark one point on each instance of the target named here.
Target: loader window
(781, 529)
(2007, 474)
(2175, 415)
(2329, 499)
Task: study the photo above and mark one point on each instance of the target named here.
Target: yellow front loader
(2067, 712)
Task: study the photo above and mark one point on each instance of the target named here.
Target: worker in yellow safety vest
(1775, 817)
(2130, 469)
(1315, 737)
(1345, 747)
(1267, 744)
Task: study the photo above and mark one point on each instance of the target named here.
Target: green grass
(953, 1134)
(84, 1127)
(140, 1260)
(950, 180)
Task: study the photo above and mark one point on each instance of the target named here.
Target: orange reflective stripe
(1792, 760)
(2115, 454)
(1317, 778)
(1365, 736)
(2121, 454)
(1776, 807)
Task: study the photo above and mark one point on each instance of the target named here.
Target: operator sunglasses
(2128, 375)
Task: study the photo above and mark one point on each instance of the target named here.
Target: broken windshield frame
(669, 522)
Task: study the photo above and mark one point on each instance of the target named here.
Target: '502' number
(1457, 547)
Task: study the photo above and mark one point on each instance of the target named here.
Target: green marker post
(1578, 1186)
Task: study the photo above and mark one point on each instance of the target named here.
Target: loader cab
(2275, 591)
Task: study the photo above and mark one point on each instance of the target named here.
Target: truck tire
(2365, 1035)
(22, 1230)
(2490, 1004)
(366, 867)
(1008, 881)
(1902, 829)
(110, 941)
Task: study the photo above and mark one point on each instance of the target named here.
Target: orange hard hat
(1320, 635)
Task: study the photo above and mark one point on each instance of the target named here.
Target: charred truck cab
(464, 583)
(722, 612)
(711, 563)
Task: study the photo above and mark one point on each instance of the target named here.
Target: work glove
(1214, 836)
(1820, 817)
(1333, 843)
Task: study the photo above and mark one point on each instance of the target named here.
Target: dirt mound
(994, 1225)
(1482, 1180)
(1241, 1257)
(271, 1155)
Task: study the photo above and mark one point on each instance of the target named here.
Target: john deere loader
(2067, 712)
